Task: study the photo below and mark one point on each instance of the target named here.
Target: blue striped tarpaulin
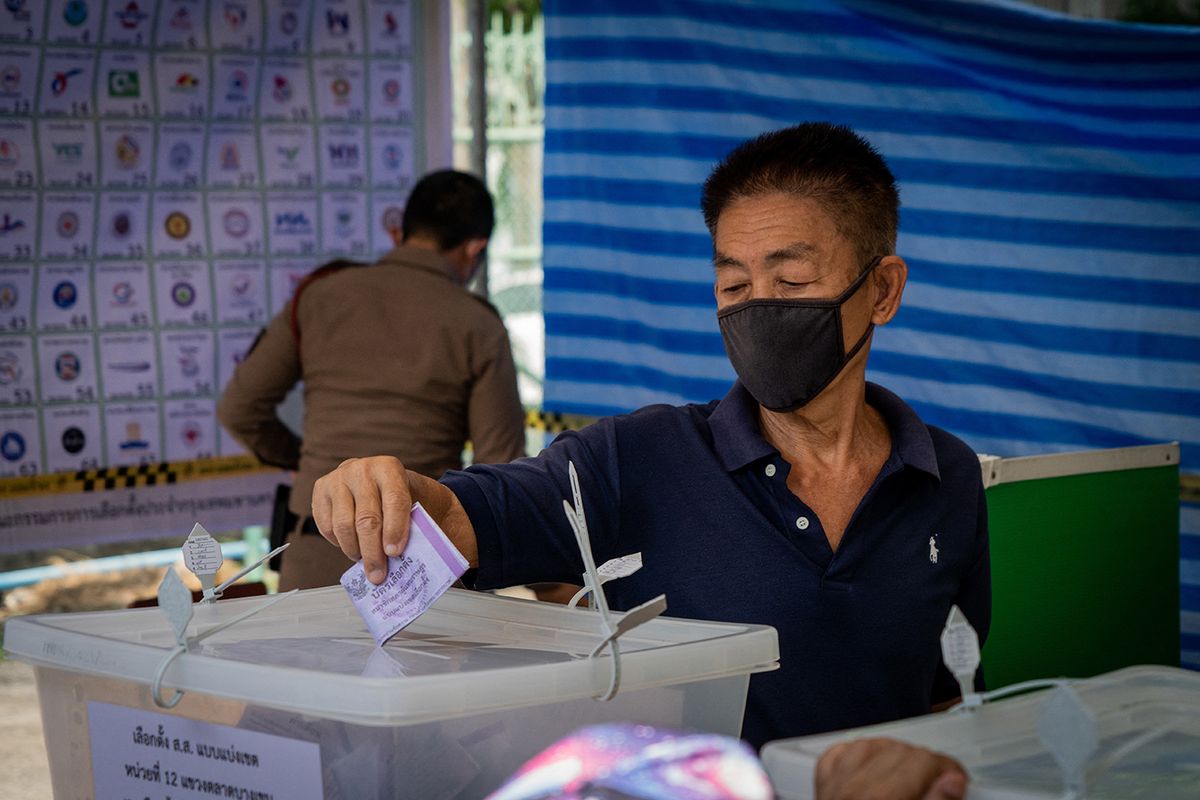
(1050, 188)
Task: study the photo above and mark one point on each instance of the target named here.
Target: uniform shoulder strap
(486, 303)
(323, 271)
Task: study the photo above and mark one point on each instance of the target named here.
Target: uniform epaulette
(323, 271)
(487, 303)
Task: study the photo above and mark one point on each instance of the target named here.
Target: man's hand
(363, 507)
(886, 769)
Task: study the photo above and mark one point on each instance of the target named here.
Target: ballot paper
(415, 579)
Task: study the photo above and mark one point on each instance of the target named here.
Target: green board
(1085, 574)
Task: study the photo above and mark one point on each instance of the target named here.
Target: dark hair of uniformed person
(449, 206)
(828, 164)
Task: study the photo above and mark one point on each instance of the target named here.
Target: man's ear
(473, 248)
(889, 278)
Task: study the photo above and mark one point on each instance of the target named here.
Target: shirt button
(770, 470)
(802, 523)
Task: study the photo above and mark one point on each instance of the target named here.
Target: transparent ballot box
(448, 708)
(1133, 733)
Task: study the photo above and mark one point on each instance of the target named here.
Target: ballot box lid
(470, 653)
(1147, 734)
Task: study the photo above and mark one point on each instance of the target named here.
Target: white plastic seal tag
(202, 557)
(577, 518)
(621, 567)
(175, 601)
(960, 652)
(1068, 730)
(611, 570)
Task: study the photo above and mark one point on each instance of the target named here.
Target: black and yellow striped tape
(129, 477)
(553, 422)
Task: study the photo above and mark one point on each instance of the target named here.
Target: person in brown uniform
(396, 357)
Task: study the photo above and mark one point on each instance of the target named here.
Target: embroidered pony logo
(933, 550)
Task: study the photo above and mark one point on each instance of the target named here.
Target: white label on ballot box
(150, 756)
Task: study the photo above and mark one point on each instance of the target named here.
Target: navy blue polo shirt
(703, 497)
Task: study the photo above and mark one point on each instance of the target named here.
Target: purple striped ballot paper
(416, 579)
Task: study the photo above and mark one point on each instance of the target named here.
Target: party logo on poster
(281, 89)
(343, 222)
(391, 91)
(179, 157)
(10, 224)
(65, 294)
(239, 85)
(122, 294)
(61, 81)
(122, 224)
(18, 9)
(292, 223)
(67, 225)
(181, 20)
(129, 152)
(66, 366)
(288, 22)
(343, 155)
(8, 296)
(73, 440)
(340, 87)
(229, 157)
(124, 84)
(234, 15)
(185, 83)
(392, 156)
(337, 22)
(10, 154)
(10, 79)
(178, 225)
(393, 220)
(12, 446)
(189, 361)
(288, 156)
(183, 294)
(391, 25)
(236, 222)
(75, 13)
(67, 153)
(130, 15)
(191, 434)
(10, 368)
(133, 437)
(241, 284)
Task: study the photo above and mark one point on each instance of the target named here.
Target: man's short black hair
(828, 164)
(450, 206)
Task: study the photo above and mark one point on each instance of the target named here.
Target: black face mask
(785, 352)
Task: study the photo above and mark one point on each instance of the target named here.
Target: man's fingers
(395, 504)
(341, 519)
(952, 785)
(829, 769)
(322, 511)
(362, 506)
(885, 769)
(367, 519)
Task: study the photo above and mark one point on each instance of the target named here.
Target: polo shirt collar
(739, 442)
(421, 258)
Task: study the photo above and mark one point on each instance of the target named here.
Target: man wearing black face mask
(807, 498)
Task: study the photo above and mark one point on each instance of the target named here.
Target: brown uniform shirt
(397, 359)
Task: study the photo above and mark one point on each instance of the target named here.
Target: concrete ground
(22, 750)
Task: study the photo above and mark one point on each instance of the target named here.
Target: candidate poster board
(169, 171)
